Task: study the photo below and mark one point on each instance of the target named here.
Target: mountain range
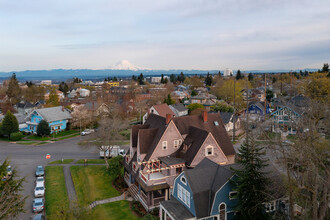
(121, 69)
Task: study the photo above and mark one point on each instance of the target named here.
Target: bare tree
(305, 162)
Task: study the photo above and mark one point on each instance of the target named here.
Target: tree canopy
(9, 124)
(221, 107)
(43, 128)
(13, 91)
(169, 100)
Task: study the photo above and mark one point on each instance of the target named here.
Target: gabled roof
(146, 138)
(163, 109)
(205, 180)
(135, 132)
(226, 116)
(25, 105)
(53, 113)
(219, 132)
(179, 107)
(94, 105)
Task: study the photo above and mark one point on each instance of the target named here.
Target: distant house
(97, 109)
(179, 109)
(25, 107)
(205, 99)
(161, 110)
(257, 110)
(286, 113)
(46, 82)
(228, 120)
(57, 117)
(204, 192)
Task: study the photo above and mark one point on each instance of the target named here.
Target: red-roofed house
(161, 110)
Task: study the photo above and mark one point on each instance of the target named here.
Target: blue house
(258, 108)
(57, 117)
(204, 192)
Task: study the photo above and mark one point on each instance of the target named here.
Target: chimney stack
(168, 118)
(204, 115)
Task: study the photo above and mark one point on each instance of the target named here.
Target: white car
(40, 179)
(87, 131)
(39, 191)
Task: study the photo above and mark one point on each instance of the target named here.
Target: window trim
(164, 144)
(230, 194)
(212, 150)
(183, 178)
(224, 209)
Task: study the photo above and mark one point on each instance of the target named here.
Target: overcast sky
(164, 34)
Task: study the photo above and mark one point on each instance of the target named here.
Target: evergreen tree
(239, 75)
(169, 100)
(173, 78)
(325, 68)
(9, 124)
(115, 79)
(13, 91)
(43, 128)
(162, 79)
(208, 80)
(251, 182)
(181, 77)
(63, 87)
(140, 79)
(194, 93)
(11, 202)
(250, 77)
(134, 78)
(274, 80)
(165, 81)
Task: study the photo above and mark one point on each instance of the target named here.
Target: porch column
(166, 194)
(148, 198)
(152, 198)
(161, 213)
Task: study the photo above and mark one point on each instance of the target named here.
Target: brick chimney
(168, 118)
(204, 115)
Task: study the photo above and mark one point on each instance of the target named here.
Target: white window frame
(164, 145)
(225, 210)
(183, 195)
(183, 180)
(207, 152)
(270, 206)
(230, 195)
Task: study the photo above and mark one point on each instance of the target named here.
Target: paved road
(25, 158)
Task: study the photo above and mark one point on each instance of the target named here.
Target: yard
(92, 183)
(56, 195)
(114, 211)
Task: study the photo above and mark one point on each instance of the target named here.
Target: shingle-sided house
(163, 146)
(179, 109)
(204, 192)
(228, 120)
(57, 117)
(161, 110)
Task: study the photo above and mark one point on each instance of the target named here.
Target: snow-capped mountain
(126, 65)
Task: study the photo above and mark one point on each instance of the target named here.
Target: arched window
(222, 211)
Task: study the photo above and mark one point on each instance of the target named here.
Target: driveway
(26, 157)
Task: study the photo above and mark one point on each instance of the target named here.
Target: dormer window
(183, 180)
(209, 151)
(176, 143)
(164, 145)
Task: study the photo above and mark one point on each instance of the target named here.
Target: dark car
(40, 171)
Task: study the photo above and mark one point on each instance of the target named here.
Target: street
(25, 158)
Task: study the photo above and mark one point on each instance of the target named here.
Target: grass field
(56, 194)
(114, 211)
(92, 183)
(38, 138)
(91, 161)
(65, 161)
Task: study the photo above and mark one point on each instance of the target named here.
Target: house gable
(217, 155)
(223, 196)
(170, 135)
(179, 183)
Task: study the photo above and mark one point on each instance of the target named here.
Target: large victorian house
(163, 147)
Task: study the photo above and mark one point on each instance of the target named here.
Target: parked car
(40, 179)
(87, 131)
(40, 171)
(38, 217)
(38, 205)
(9, 171)
(115, 151)
(39, 191)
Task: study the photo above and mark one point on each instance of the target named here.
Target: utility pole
(247, 112)
(265, 97)
(234, 110)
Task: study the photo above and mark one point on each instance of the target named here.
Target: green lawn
(100, 161)
(27, 143)
(92, 183)
(65, 161)
(114, 211)
(38, 138)
(56, 194)
(65, 133)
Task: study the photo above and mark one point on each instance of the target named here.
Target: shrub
(43, 128)
(16, 136)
